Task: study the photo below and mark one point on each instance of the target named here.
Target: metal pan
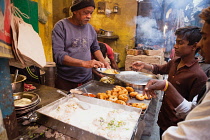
(137, 80)
(101, 70)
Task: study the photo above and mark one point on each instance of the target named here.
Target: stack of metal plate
(22, 107)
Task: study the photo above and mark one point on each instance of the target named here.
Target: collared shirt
(188, 80)
(196, 126)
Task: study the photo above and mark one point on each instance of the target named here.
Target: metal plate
(29, 95)
(135, 78)
(101, 70)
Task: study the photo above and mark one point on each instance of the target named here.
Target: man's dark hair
(205, 15)
(189, 33)
(103, 49)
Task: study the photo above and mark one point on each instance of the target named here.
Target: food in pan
(133, 94)
(130, 89)
(22, 102)
(111, 71)
(113, 98)
(120, 102)
(147, 97)
(143, 106)
(107, 80)
(103, 96)
(113, 124)
(123, 97)
(140, 97)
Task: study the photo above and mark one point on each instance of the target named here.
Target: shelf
(114, 37)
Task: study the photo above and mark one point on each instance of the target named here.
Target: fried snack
(133, 94)
(140, 97)
(147, 97)
(115, 93)
(120, 102)
(123, 97)
(123, 91)
(103, 96)
(130, 89)
(111, 71)
(109, 92)
(143, 106)
(113, 98)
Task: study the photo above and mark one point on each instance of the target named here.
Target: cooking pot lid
(133, 77)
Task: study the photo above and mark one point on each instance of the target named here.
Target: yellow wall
(122, 24)
(46, 29)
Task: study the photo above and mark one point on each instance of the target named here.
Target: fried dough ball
(103, 96)
(120, 102)
(114, 93)
(113, 98)
(109, 92)
(147, 97)
(123, 97)
(133, 94)
(124, 91)
(143, 106)
(140, 97)
(130, 89)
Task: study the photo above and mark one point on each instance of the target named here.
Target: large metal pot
(134, 79)
(18, 86)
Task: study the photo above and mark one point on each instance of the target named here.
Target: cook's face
(182, 48)
(204, 43)
(83, 16)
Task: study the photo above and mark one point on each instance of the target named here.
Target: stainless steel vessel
(76, 132)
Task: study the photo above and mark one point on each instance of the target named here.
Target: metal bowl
(18, 86)
(134, 79)
(17, 95)
(101, 70)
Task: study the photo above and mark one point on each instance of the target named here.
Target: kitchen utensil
(101, 70)
(134, 79)
(16, 75)
(18, 86)
(83, 105)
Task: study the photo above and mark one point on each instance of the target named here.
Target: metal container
(50, 74)
(76, 132)
(18, 86)
(108, 33)
(134, 79)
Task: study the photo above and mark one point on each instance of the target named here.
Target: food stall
(38, 120)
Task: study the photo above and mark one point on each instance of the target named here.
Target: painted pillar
(6, 100)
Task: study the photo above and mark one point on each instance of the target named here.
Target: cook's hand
(93, 64)
(106, 64)
(153, 85)
(138, 65)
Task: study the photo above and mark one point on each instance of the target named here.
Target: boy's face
(204, 43)
(182, 48)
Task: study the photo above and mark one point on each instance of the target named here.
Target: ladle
(16, 75)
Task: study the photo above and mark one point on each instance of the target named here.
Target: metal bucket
(50, 72)
(18, 86)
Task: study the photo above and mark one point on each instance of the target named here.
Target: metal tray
(76, 132)
(95, 87)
